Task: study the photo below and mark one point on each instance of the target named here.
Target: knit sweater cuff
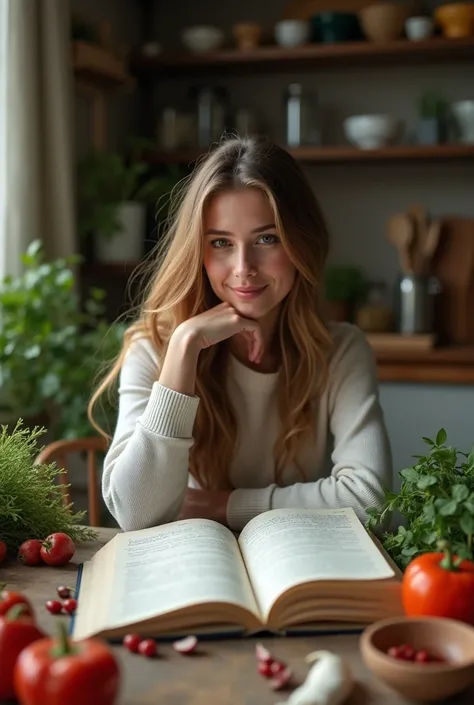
(245, 504)
(169, 413)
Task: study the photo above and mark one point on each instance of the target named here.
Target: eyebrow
(260, 229)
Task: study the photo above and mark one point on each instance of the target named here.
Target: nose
(245, 265)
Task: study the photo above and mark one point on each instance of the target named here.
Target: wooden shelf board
(448, 365)
(309, 56)
(97, 68)
(441, 152)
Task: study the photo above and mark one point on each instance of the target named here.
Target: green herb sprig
(31, 504)
(436, 500)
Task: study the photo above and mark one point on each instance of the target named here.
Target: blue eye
(269, 239)
(219, 243)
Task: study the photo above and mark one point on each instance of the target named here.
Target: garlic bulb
(328, 682)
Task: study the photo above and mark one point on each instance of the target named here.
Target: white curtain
(36, 131)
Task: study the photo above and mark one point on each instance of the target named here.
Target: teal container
(329, 27)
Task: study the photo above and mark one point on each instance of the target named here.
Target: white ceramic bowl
(202, 38)
(291, 33)
(370, 131)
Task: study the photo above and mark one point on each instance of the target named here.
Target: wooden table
(223, 673)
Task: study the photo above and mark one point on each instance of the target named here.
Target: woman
(234, 396)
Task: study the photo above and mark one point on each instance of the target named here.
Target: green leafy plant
(53, 345)
(107, 179)
(31, 504)
(436, 499)
(431, 106)
(344, 283)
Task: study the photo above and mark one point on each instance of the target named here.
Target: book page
(285, 547)
(179, 564)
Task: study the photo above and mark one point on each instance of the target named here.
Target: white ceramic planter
(127, 245)
(463, 111)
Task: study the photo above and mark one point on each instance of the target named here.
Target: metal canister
(415, 296)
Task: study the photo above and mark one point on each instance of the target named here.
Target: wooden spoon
(420, 220)
(400, 234)
(431, 243)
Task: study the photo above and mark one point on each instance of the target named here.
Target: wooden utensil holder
(453, 265)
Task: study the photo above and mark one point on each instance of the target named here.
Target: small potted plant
(431, 126)
(344, 286)
(113, 194)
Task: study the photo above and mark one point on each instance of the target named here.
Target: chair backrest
(58, 452)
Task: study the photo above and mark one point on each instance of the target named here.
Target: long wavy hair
(179, 289)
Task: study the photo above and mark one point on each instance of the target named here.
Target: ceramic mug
(419, 28)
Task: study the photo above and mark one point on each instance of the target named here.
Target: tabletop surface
(221, 671)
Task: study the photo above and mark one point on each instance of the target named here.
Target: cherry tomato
(147, 647)
(57, 549)
(54, 606)
(3, 551)
(70, 605)
(64, 592)
(29, 552)
(131, 642)
(8, 598)
(422, 656)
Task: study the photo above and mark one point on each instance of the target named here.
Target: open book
(289, 570)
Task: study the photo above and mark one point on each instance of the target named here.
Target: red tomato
(9, 598)
(57, 672)
(432, 585)
(17, 631)
(3, 551)
(29, 552)
(57, 549)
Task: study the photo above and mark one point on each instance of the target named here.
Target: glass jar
(211, 107)
(375, 315)
(302, 117)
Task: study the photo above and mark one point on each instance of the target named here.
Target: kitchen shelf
(96, 67)
(440, 152)
(443, 365)
(308, 57)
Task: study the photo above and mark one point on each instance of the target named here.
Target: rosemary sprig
(31, 503)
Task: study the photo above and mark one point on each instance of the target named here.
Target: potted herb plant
(114, 191)
(431, 126)
(344, 286)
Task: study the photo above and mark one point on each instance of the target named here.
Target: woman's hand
(220, 323)
(190, 337)
(205, 504)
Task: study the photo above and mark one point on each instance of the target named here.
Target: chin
(253, 310)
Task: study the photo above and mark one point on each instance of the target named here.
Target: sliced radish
(281, 679)
(277, 667)
(262, 653)
(186, 645)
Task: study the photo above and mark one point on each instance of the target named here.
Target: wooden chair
(58, 452)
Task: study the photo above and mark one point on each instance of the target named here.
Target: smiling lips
(248, 292)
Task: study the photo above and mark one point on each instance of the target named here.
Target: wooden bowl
(247, 35)
(426, 682)
(456, 19)
(384, 21)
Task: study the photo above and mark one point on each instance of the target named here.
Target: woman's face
(244, 259)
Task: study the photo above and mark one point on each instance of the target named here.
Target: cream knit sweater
(347, 461)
